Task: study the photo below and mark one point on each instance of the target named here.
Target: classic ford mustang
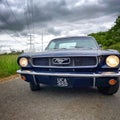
(72, 62)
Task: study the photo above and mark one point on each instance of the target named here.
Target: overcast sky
(53, 18)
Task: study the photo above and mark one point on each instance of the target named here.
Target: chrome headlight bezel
(112, 61)
(23, 62)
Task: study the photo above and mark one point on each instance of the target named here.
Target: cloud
(54, 31)
(58, 17)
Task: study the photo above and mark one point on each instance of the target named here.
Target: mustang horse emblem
(61, 60)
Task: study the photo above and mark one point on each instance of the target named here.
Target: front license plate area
(62, 82)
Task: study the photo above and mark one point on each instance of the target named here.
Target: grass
(8, 65)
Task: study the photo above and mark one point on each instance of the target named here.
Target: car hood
(75, 52)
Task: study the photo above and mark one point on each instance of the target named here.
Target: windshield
(73, 43)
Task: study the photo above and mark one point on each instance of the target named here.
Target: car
(76, 61)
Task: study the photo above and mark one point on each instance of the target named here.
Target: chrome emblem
(61, 61)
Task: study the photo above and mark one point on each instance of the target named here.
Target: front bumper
(72, 79)
(93, 75)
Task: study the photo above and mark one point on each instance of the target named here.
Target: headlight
(112, 61)
(23, 62)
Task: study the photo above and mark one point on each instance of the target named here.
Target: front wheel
(34, 87)
(109, 90)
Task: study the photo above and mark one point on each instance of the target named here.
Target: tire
(34, 87)
(109, 90)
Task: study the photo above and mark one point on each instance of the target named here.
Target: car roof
(62, 38)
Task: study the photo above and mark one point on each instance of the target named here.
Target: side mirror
(100, 46)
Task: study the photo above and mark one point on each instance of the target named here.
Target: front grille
(85, 61)
(40, 61)
(81, 61)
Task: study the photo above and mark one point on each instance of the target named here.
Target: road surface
(17, 102)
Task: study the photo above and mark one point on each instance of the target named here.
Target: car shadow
(68, 91)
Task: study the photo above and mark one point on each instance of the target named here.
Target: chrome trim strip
(94, 81)
(64, 66)
(106, 74)
(92, 66)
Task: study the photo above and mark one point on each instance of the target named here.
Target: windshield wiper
(60, 48)
(83, 47)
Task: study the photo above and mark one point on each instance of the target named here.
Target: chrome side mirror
(100, 46)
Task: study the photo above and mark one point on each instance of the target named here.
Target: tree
(110, 38)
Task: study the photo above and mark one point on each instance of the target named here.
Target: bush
(115, 46)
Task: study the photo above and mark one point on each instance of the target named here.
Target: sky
(49, 19)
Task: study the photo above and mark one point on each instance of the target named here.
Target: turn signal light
(23, 77)
(112, 82)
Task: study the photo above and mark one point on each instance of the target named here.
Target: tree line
(111, 38)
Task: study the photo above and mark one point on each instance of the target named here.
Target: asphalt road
(17, 102)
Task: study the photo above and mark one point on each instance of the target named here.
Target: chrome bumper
(94, 75)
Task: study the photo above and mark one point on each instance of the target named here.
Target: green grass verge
(8, 65)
